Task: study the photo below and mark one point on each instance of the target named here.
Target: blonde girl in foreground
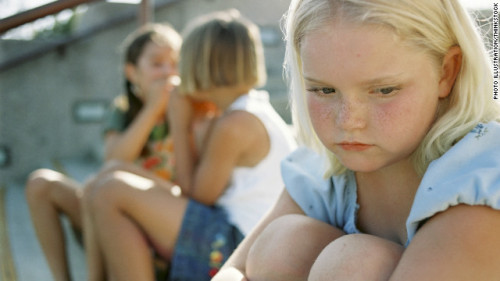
(399, 178)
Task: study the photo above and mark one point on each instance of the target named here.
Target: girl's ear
(452, 63)
(130, 72)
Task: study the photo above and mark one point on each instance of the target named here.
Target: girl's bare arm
(127, 145)
(180, 117)
(461, 243)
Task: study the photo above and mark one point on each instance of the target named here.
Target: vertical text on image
(495, 51)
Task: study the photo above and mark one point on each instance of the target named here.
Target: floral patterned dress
(158, 153)
(159, 158)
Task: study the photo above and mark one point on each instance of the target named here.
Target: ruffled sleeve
(469, 173)
(115, 119)
(331, 200)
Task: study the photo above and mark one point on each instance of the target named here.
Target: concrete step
(21, 258)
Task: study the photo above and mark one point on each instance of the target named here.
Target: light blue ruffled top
(468, 173)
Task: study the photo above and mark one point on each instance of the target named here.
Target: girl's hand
(180, 110)
(159, 94)
(229, 274)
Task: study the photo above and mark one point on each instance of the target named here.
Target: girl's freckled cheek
(384, 119)
(392, 116)
(319, 110)
(312, 106)
(384, 113)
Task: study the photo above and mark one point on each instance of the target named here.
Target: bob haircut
(432, 26)
(222, 49)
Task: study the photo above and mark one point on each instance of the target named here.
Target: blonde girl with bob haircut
(210, 62)
(228, 173)
(399, 176)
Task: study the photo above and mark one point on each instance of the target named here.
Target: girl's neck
(385, 198)
(224, 97)
(398, 178)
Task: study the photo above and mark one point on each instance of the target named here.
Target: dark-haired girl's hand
(180, 110)
(159, 94)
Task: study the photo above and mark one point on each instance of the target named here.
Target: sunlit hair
(133, 47)
(433, 26)
(222, 49)
(161, 34)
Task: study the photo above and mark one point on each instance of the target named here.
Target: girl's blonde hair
(433, 26)
(222, 49)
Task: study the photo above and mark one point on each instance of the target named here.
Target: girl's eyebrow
(309, 79)
(375, 81)
(382, 80)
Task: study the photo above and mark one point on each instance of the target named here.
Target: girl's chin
(361, 167)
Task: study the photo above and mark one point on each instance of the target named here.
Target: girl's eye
(324, 91)
(386, 91)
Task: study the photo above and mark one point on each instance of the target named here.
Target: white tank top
(253, 190)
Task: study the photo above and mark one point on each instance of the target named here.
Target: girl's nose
(351, 114)
(168, 69)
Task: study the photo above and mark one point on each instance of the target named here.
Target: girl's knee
(113, 190)
(98, 192)
(357, 257)
(40, 183)
(88, 193)
(286, 249)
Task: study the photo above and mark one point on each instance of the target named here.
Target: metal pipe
(117, 20)
(39, 12)
(146, 12)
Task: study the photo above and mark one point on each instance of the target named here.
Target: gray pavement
(21, 258)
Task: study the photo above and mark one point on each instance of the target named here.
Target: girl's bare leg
(127, 208)
(95, 263)
(357, 257)
(50, 194)
(287, 248)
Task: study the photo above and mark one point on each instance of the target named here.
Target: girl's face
(371, 99)
(155, 64)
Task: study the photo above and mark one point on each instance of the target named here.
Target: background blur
(58, 74)
(57, 77)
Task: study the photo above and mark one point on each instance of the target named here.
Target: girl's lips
(354, 146)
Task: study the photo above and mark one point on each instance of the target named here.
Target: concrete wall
(37, 98)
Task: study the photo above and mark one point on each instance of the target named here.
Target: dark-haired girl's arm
(128, 145)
